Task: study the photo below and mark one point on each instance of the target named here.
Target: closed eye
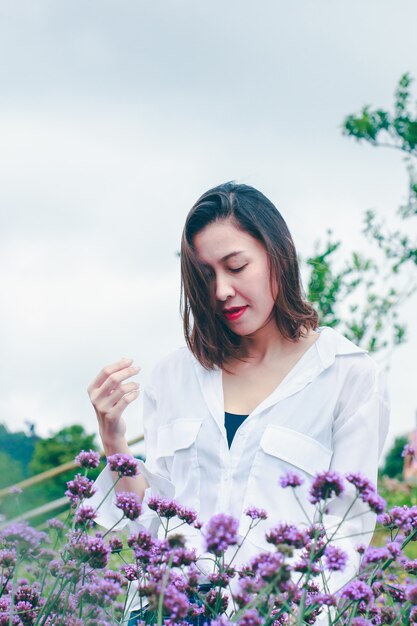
(239, 269)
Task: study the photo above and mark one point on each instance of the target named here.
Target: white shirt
(331, 411)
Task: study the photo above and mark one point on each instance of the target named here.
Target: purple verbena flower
(375, 555)
(115, 544)
(55, 523)
(97, 551)
(123, 464)
(90, 459)
(129, 503)
(216, 599)
(23, 538)
(397, 593)
(26, 612)
(85, 516)
(79, 488)
(222, 620)
(55, 567)
(143, 540)
(186, 515)
(182, 557)
(325, 599)
(358, 591)
(360, 482)
(220, 579)
(325, 485)
(402, 517)
(220, 532)
(254, 513)
(288, 534)
(100, 591)
(268, 565)
(251, 617)
(335, 558)
(375, 502)
(168, 508)
(7, 558)
(412, 516)
(410, 566)
(304, 565)
(28, 593)
(290, 479)
(131, 572)
(175, 603)
(164, 507)
(411, 593)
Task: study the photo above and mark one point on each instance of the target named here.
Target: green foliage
(397, 130)
(54, 451)
(60, 448)
(362, 297)
(351, 299)
(48, 453)
(10, 469)
(394, 462)
(18, 446)
(380, 127)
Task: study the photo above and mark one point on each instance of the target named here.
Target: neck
(265, 343)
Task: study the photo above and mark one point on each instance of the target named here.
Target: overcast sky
(116, 116)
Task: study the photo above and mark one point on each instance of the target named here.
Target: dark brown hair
(206, 334)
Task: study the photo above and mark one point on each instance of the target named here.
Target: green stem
(161, 595)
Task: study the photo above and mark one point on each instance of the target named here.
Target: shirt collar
(331, 344)
(320, 356)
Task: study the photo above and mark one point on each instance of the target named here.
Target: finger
(107, 371)
(110, 401)
(124, 401)
(113, 381)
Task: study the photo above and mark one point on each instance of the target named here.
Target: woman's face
(240, 269)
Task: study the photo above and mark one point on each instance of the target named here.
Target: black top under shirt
(232, 421)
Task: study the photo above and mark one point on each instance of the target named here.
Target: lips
(234, 312)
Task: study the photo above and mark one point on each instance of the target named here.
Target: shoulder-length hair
(206, 334)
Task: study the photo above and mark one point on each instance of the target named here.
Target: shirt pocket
(282, 450)
(176, 446)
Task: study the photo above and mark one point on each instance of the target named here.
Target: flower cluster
(290, 479)
(79, 488)
(254, 513)
(123, 464)
(335, 558)
(169, 509)
(287, 534)
(130, 504)
(326, 485)
(366, 491)
(90, 459)
(286, 582)
(220, 532)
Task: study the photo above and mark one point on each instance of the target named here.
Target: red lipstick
(234, 313)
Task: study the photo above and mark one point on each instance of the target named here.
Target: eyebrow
(228, 256)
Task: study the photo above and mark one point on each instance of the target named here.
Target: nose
(224, 288)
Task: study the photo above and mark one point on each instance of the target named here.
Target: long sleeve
(152, 469)
(359, 433)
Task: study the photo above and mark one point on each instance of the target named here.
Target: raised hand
(110, 397)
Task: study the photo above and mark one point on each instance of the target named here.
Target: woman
(258, 390)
